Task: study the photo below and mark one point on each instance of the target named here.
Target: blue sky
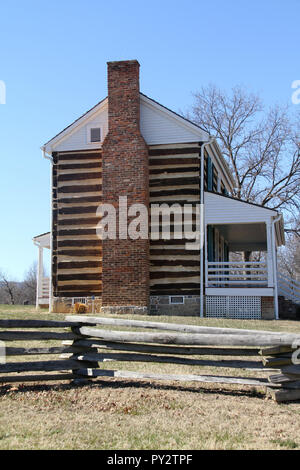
(53, 62)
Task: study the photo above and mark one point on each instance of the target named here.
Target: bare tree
(289, 256)
(261, 147)
(30, 283)
(8, 287)
(13, 292)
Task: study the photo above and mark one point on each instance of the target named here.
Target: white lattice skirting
(231, 306)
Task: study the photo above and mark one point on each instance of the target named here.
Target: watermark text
(161, 222)
(2, 92)
(2, 353)
(296, 353)
(296, 93)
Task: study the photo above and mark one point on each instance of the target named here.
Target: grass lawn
(124, 414)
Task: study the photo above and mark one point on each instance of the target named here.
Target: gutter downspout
(202, 240)
(275, 266)
(48, 157)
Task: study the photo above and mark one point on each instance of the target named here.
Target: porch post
(274, 253)
(270, 266)
(272, 263)
(40, 273)
(205, 255)
(201, 252)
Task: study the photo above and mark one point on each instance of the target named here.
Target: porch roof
(240, 237)
(243, 224)
(43, 240)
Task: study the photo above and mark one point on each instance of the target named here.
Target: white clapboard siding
(78, 140)
(225, 210)
(158, 126)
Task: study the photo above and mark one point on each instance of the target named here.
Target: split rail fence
(85, 342)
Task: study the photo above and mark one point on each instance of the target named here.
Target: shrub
(80, 308)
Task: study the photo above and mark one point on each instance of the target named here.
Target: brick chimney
(125, 265)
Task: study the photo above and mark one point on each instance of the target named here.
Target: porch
(43, 282)
(236, 288)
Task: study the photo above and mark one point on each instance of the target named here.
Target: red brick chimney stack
(123, 97)
(125, 271)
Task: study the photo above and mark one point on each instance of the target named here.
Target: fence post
(77, 380)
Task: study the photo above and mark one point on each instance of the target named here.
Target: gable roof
(200, 134)
(182, 118)
(164, 120)
(76, 123)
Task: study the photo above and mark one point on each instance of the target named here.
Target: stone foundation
(124, 310)
(267, 308)
(160, 305)
(64, 305)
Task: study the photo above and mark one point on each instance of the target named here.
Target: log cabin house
(130, 145)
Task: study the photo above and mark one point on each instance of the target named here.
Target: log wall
(174, 177)
(174, 173)
(77, 251)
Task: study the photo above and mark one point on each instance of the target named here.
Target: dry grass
(123, 414)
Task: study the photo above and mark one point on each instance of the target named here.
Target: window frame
(176, 296)
(88, 130)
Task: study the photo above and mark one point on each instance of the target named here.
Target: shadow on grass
(122, 384)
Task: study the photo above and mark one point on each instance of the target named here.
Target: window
(210, 243)
(95, 134)
(214, 179)
(209, 174)
(205, 171)
(176, 299)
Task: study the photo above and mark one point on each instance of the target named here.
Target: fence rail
(89, 341)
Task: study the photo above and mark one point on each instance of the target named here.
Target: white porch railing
(288, 288)
(45, 291)
(234, 274)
